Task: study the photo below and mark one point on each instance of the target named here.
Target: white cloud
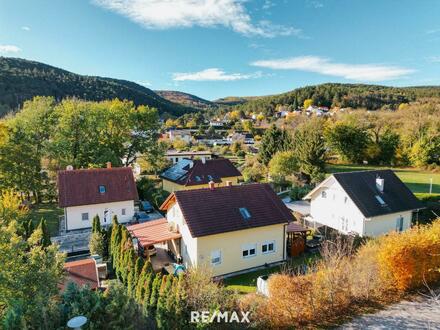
(359, 72)
(433, 59)
(165, 14)
(25, 28)
(213, 74)
(9, 49)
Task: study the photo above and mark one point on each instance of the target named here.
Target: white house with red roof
(105, 192)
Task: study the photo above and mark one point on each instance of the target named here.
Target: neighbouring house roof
(188, 153)
(361, 187)
(188, 172)
(82, 272)
(153, 232)
(82, 187)
(231, 208)
(295, 227)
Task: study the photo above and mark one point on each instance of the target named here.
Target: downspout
(284, 242)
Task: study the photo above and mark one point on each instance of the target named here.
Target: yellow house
(230, 229)
(189, 174)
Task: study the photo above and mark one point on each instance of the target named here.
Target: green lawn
(50, 212)
(416, 180)
(247, 283)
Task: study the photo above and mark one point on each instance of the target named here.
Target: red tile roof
(81, 187)
(202, 173)
(82, 272)
(209, 212)
(152, 232)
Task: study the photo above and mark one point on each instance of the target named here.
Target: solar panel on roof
(177, 171)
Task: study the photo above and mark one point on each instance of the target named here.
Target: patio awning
(153, 232)
(294, 227)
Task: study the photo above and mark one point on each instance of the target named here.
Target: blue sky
(217, 48)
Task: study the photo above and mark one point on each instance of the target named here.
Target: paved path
(419, 314)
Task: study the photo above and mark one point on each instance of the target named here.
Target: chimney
(211, 185)
(228, 183)
(109, 165)
(380, 184)
(69, 167)
(203, 160)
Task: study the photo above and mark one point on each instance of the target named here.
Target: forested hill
(186, 99)
(21, 79)
(370, 97)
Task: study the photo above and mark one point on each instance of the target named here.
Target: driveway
(422, 313)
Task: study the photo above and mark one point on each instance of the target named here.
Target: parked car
(141, 217)
(151, 251)
(146, 206)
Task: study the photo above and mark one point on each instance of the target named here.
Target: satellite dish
(77, 322)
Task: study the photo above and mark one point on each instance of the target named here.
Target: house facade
(175, 156)
(105, 192)
(367, 203)
(188, 174)
(229, 229)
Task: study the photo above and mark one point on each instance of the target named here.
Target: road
(422, 313)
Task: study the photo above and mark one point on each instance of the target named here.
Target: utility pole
(430, 186)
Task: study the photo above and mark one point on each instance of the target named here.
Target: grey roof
(361, 187)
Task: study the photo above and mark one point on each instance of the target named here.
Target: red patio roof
(153, 232)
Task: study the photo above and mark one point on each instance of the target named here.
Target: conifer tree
(180, 312)
(147, 291)
(162, 313)
(155, 288)
(96, 224)
(272, 141)
(45, 239)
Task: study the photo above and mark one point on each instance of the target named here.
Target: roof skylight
(380, 200)
(245, 213)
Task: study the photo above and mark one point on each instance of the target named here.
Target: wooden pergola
(296, 239)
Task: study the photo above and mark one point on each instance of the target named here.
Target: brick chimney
(109, 165)
(211, 185)
(228, 183)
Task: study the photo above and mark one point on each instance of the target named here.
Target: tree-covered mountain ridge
(371, 97)
(22, 79)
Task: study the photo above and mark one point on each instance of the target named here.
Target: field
(50, 212)
(416, 180)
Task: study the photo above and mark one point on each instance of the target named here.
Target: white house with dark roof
(105, 192)
(367, 203)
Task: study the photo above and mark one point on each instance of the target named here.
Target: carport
(165, 239)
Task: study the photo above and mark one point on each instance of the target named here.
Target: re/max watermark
(219, 317)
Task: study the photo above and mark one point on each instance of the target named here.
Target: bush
(380, 271)
(297, 192)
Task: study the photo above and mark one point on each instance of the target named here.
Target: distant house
(81, 272)
(246, 138)
(104, 192)
(174, 155)
(229, 229)
(182, 134)
(216, 123)
(194, 174)
(367, 203)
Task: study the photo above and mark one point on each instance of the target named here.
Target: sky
(219, 48)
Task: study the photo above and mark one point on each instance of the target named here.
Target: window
(399, 224)
(249, 251)
(245, 213)
(210, 178)
(102, 189)
(85, 216)
(268, 247)
(345, 199)
(123, 211)
(216, 257)
(324, 194)
(380, 200)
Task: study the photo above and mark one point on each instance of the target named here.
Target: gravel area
(422, 313)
